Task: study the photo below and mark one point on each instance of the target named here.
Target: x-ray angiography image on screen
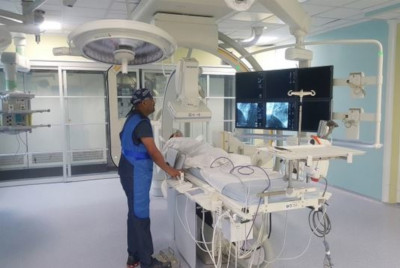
(246, 115)
(277, 114)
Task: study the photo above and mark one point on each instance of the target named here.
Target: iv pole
(300, 94)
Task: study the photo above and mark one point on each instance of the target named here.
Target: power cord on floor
(320, 225)
(327, 261)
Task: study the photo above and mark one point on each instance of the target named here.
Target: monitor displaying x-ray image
(249, 115)
(276, 110)
(277, 115)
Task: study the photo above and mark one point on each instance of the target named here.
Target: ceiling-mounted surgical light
(121, 42)
(239, 5)
(123, 55)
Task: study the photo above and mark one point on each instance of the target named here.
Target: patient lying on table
(232, 175)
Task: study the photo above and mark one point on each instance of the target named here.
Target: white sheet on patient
(220, 177)
(199, 154)
(214, 168)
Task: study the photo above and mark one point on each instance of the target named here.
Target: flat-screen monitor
(277, 115)
(319, 79)
(250, 85)
(262, 99)
(279, 82)
(249, 115)
(313, 112)
(280, 115)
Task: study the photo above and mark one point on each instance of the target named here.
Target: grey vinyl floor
(82, 224)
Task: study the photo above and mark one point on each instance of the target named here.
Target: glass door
(86, 127)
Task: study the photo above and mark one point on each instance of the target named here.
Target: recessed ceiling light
(50, 25)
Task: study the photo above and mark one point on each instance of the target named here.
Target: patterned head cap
(140, 95)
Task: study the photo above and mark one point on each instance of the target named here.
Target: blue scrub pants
(140, 243)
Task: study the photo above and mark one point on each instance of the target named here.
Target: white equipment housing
(15, 106)
(188, 106)
(182, 27)
(298, 54)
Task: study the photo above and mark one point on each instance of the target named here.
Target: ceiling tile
(118, 6)
(75, 12)
(316, 21)
(324, 13)
(53, 2)
(339, 13)
(76, 20)
(336, 24)
(116, 15)
(11, 6)
(365, 4)
(315, 9)
(51, 8)
(331, 3)
(250, 16)
(129, 1)
(273, 20)
(53, 13)
(94, 4)
(387, 16)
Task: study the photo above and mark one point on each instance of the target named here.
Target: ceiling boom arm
(28, 7)
(292, 13)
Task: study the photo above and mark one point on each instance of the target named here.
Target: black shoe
(157, 264)
(132, 263)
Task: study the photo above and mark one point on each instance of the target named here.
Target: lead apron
(142, 168)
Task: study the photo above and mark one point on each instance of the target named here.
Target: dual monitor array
(262, 100)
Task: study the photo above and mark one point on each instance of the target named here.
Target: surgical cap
(140, 95)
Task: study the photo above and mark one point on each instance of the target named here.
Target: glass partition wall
(77, 142)
(38, 153)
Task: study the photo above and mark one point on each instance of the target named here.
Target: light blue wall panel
(364, 176)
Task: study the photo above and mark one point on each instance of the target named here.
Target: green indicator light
(237, 67)
(380, 53)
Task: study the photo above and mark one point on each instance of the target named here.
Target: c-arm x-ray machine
(311, 160)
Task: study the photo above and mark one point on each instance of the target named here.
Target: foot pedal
(168, 255)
